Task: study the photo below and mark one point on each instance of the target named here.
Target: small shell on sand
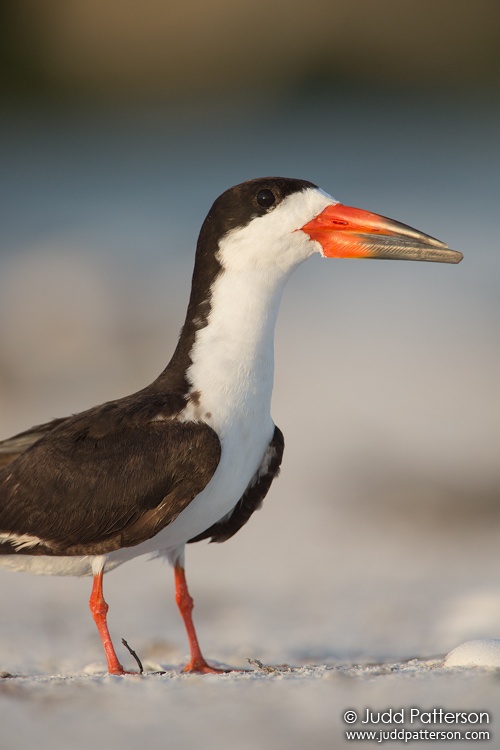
(480, 653)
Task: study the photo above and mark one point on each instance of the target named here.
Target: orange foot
(200, 666)
(120, 671)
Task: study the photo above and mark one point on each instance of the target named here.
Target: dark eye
(266, 198)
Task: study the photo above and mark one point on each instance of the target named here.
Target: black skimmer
(192, 455)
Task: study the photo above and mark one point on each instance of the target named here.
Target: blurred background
(120, 124)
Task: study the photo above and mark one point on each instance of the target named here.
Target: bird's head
(278, 223)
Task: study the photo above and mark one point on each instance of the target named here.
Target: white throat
(233, 355)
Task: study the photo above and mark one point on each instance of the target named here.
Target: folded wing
(98, 481)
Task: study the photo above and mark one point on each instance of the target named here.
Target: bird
(191, 456)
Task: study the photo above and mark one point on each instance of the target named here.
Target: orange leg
(184, 601)
(99, 610)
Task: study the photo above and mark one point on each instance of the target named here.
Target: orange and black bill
(346, 232)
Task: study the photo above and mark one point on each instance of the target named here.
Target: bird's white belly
(48, 565)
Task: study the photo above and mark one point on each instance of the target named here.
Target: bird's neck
(231, 366)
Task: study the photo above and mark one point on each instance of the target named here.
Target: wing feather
(12, 447)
